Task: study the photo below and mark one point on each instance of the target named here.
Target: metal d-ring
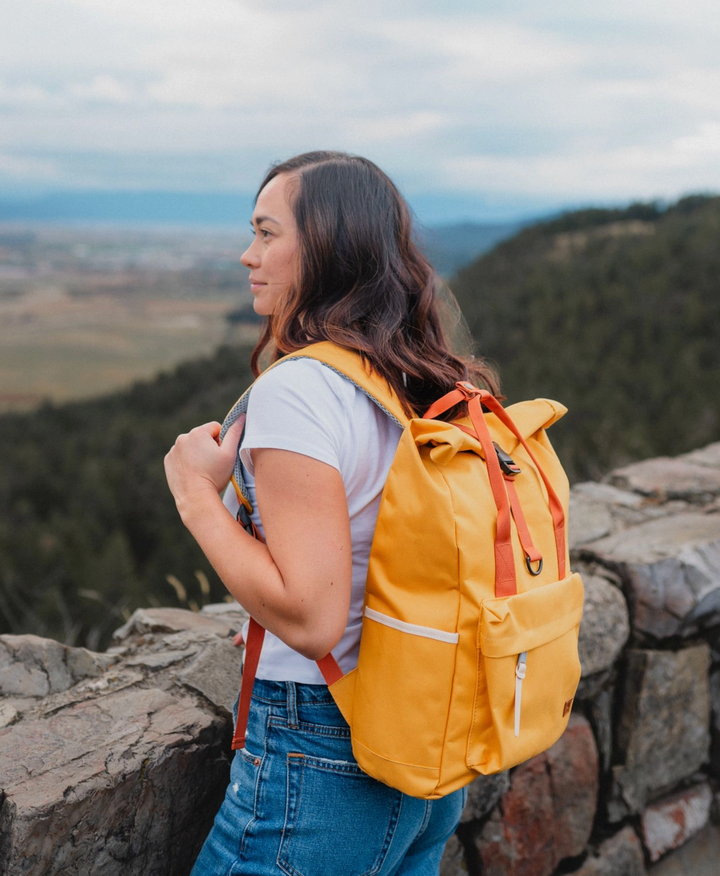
(528, 563)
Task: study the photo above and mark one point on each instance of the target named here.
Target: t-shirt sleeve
(299, 406)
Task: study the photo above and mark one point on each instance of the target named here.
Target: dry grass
(59, 347)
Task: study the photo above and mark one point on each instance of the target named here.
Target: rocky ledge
(115, 763)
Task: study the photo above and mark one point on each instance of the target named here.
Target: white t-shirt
(308, 408)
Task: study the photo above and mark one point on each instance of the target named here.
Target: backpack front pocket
(528, 672)
(401, 701)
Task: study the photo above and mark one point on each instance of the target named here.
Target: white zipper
(520, 670)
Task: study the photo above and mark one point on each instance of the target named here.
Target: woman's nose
(249, 258)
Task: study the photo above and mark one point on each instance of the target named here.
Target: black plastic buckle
(507, 465)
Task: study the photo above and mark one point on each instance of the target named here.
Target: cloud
(20, 169)
(101, 89)
(642, 172)
(484, 51)
(582, 100)
(23, 96)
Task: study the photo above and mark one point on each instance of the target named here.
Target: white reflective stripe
(520, 670)
(413, 629)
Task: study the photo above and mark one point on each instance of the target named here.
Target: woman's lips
(254, 287)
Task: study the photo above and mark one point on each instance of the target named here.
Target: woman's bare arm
(298, 585)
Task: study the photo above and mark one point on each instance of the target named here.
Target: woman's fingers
(197, 458)
(212, 429)
(232, 436)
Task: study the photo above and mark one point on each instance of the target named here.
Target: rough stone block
(664, 478)
(519, 837)
(601, 719)
(605, 625)
(621, 855)
(215, 673)
(574, 779)
(484, 794)
(31, 666)
(123, 785)
(715, 726)
(232, 610)
(708, 456)
(594, 511)
(453, 859)
(8, 714)
(663, 732)
(671, 570)
(548, 812)
(669, 823)
(176, 620)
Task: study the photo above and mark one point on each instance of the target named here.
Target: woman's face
(273, 254)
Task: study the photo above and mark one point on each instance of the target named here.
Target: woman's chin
(260, 309)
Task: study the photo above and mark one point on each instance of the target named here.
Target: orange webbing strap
(331, 672)
(505, 579)
(531, 552)
(253, 647)
(556, 509)
(327, 665)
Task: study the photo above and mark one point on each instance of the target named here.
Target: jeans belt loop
(292, 705)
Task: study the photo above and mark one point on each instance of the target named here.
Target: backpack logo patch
(568, 706)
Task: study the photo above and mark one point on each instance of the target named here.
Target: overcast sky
(478, 109)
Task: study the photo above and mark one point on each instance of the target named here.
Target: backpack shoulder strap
(349, 365)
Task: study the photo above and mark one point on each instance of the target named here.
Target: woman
(332, 259)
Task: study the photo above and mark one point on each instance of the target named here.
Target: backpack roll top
(528, 671)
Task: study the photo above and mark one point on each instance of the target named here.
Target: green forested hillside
(88, 528)
(616, 313)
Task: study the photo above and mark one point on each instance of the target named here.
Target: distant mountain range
(131, 208)
(449, 246)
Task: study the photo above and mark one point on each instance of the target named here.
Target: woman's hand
(197, 464)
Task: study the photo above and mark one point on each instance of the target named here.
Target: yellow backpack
(468, 657)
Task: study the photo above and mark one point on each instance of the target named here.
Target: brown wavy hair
(363, 283)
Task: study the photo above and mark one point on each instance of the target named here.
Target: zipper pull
(520, 670)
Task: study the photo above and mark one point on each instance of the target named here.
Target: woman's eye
(264, 232)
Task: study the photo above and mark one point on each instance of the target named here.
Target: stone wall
(115, 763)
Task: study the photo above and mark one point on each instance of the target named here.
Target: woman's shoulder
(306, 379)
(300, 405)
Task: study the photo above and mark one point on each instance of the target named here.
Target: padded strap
(348, 364)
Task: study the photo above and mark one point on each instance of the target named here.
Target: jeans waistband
(290, 692)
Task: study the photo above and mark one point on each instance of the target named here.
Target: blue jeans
(298, 804)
